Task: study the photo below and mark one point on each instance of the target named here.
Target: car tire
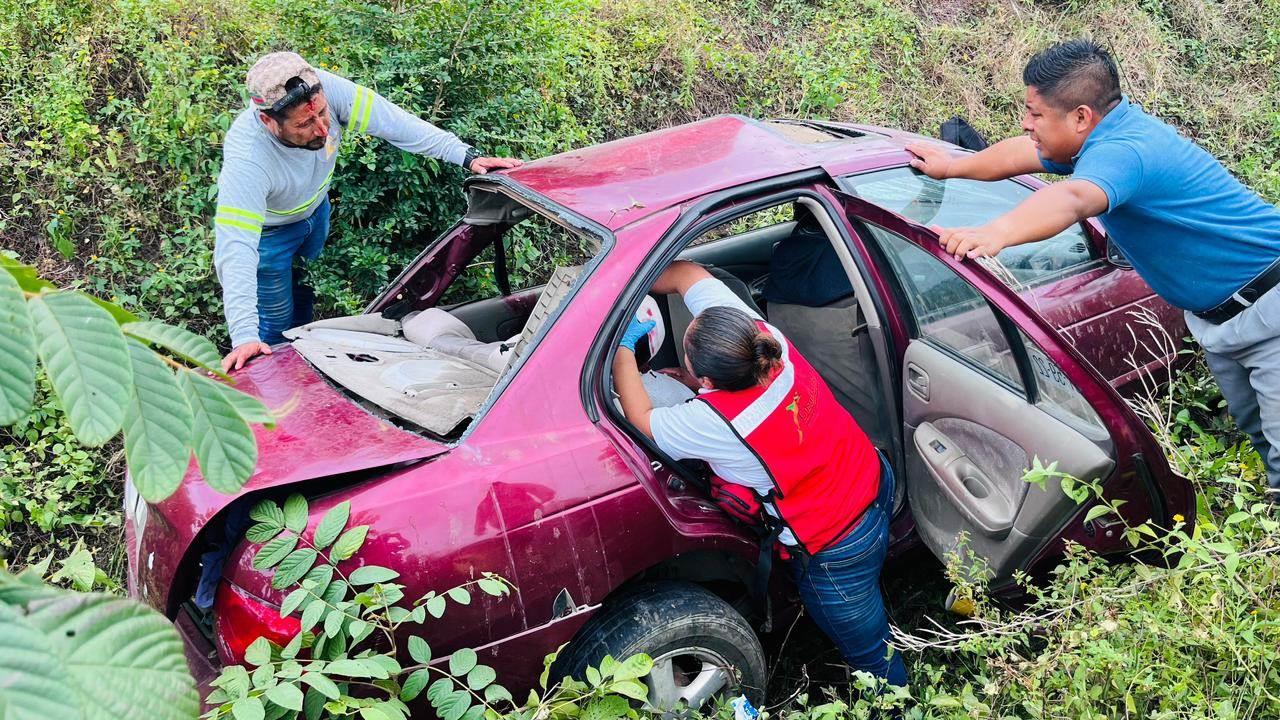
(701, 646)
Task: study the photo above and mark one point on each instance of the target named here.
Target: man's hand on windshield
(242, 354)
(970, 242)
(931, 160)
(482, 165)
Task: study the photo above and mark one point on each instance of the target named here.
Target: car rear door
(988, 386)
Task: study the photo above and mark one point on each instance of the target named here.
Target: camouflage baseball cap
(267, 78)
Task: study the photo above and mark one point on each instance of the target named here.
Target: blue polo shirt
(1191, 230)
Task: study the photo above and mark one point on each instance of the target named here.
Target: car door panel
(969, 445)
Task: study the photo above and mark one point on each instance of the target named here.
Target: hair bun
(767, 353)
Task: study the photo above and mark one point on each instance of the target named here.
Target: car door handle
(918, 381)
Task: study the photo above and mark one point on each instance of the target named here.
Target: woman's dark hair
(1074, 73)
(725, 345)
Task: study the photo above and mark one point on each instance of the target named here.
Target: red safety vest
(824, 469)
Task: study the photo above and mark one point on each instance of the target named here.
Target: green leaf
(294, 646)
(77, 568)
(436, 605)
(27, 277)
(633, 689)
(349, 542)
(320, 575)
(353, 668)
(480, 677)
(333, 622)
(250, 408)
(492, 586)
(419, 650)
(295, 512)
(293, 567)
(258, 653)
(87, 361)
(370, 574)
(266, 511)
(183, 343)
(636, 666)
(330, 526)
(73, 655)
(157, 427)
(461, 661)
(414, 684)
(322, 684)
(311, 615)
(495, 694)
(261, 532)
(224, 444)
(248, 708)
(1096, 511)
(286, 695)
(373, 712)
(460, 595)
(439, 690)
(17, 353)
(276, 549)
(313, 705)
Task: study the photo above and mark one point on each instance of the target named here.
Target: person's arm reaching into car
(636, 405)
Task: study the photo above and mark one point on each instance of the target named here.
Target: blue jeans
(283, 301)
(840, 587)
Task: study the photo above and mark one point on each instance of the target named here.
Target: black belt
(1244, 297)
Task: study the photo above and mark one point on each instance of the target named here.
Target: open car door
(987, 387)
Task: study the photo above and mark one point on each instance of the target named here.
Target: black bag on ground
(958, 132)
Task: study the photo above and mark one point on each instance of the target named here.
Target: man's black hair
(289, 85)
(1074, 73)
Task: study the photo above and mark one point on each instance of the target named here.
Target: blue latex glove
(635, 331)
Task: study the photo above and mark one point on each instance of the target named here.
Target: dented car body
(968, 375)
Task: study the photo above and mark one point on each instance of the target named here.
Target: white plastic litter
(743, 709)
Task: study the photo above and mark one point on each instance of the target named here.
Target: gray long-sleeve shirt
(263, 183)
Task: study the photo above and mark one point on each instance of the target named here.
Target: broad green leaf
(322, 684)
(286, 695)
(435, 606)
(262, 532)
(374, 712)
(266, 511)
(492, 586)
(349, 542)
(292, 648)
(250, 408)
(311, 614)
(224, 444)
(358, 630)
(353, 668)
(17, 353)
(439, 690)
(258, 653)
(27, 277)
(1095, 512)
(610, 707)
(183, 343)
(633, 689)
(313, 705)
(248, 708)
(419, 650)
(414, 684)
(455, 705)
(634, 667)
(157, 426)
(495, 694)
(333, 622)
(460, 595)
(293, 601)
(275, 550)
(461, 662)
(319, 578)
(87, 360)
(370, 574)
(293, 567)
(93, 656)
(295, 512)
(77, 569)
(330, 526)
(480, 677)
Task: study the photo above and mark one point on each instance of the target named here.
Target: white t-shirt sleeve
(711, 292)
(690, 430)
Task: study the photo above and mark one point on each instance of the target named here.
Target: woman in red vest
(766, 420)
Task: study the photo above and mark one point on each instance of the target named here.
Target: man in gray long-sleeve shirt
(273, 205)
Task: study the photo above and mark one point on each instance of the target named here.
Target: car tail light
(241, 618)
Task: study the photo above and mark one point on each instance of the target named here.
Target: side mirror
(1116, 257)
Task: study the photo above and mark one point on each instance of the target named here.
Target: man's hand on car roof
(242, 354)
(970, 242)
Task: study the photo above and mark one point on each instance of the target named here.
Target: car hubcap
(687, 677)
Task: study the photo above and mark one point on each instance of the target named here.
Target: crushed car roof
(620, 182)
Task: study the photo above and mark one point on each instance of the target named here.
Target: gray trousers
(1244, 355)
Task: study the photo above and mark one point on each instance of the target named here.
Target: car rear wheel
(701, 647)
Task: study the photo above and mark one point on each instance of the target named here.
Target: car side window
(960, 203)
(534, 248)
(949, 312)
(1056, 394)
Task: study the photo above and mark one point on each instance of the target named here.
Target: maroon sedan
(482, 434)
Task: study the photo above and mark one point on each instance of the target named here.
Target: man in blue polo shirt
(1201, 239)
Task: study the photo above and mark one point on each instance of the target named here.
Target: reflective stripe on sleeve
(312, 199)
